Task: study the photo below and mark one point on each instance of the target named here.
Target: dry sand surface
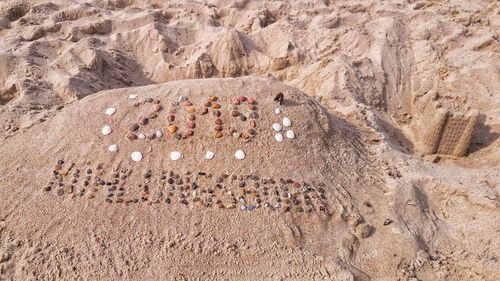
(389, 168)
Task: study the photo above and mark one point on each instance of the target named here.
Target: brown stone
(134, 127)
(157, 107)
(191, 117)
(218, 128)
(190, 133)
(190, 109)
(131, 136)
(170, 118)
(218, 135)
(235, 113)
(191, 125)
(172, 128)
(215, 105)
(143, 120)
(218, 121)
(253, 124)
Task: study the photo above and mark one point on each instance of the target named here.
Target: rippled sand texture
(394, 104)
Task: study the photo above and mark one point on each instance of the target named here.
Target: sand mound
(305, 178)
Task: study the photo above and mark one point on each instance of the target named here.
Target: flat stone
(136, 156)
(290, 134)
(239, 154)
(110, 111)
(287, 122)
(113, 148)
(132, 97)
(175, 155)
(277, 127)
(106, 130)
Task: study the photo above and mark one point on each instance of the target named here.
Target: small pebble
(388, 221)
(215, 105)
(239, 154)
(143, 120)
(277, 111)
(182, 98)
(219, 135)
(134, 127)
(113, 148)
(287, 122)
(278, 137)
(110, 111)
(190, 109)
(132, 97)
(131, 136)
(106, 130)
(175, 155)
(209, 155)
(235, 113)
(290, 134)
(159, 134)
(157, 107)
(171, 118)
(149, 100)
(188, 103)
(141, 136)
(243, 207)
(136, 156)
(277, 127)
(172, 128)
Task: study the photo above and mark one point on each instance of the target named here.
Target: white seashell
(106, 130)
(113, 148)
(141, 136)
(110, 111)
(239, 154)
(159, 134)
(278, 137)
(290, 134)
(277, 111)
(277, 127)
(132, 97)
(175, 155)
(287, 122)
(209, 155)
(136, 156)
